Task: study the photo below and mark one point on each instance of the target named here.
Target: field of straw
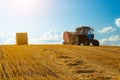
(59, 62)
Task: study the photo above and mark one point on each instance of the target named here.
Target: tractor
(83, 35)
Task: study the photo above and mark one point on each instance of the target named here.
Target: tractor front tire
(95, 43)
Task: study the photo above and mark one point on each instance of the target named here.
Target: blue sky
(46, 20)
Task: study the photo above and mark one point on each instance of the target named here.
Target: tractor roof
(84, 27)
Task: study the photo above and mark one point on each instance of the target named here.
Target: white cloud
(117, 22)
(51, 37)
(107, 30)
(113, 40)
(6, 38)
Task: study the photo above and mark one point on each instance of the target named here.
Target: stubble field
(59, 62)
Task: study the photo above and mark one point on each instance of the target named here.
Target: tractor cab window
(85, 31)
(90, 31)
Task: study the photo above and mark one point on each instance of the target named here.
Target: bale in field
(67, 36)
(21, 38)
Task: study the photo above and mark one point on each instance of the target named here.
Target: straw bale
(21, 38)
(68, 36)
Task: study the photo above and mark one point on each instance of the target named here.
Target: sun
(26, 4)
(25, 1)
(23, 7)
(29, 4)
(26, 7)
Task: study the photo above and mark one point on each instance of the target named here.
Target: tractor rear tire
(86, 43)
(75, 40)
(95, 43)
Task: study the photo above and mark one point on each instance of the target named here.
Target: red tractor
(83, 35)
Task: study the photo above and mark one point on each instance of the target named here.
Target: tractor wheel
(95, 43)
(75, 40)
(86, 43)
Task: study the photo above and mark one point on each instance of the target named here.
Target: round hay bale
(67, 36)
(21, 38)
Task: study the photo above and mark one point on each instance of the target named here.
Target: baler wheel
(63, 42)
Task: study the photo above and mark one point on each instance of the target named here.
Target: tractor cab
(84, 30)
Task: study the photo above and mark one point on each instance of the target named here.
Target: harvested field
(59, 62)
